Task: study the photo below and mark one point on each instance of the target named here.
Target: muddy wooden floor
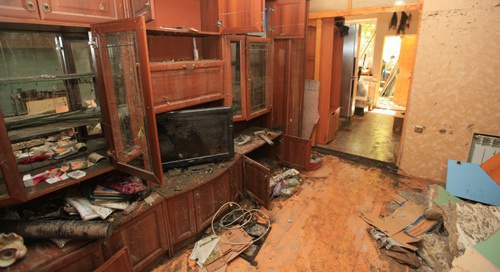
(319, 227)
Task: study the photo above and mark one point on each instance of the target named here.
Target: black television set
(195, 136)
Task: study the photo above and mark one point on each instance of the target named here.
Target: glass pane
(257, 54)
(46, 104)
(29, 55)
(236, 76)
(130, 131)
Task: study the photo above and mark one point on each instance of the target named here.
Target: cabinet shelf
(40, 78)
(44, 188)
(49, 125)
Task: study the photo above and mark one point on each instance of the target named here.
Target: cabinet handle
(46, 8)
(101, 6)
(188, 68)
(148, 6)
(31, 6)
(272, 10)
(197, 195)
(271, 29)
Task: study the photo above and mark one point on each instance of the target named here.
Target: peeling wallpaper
(456, 87)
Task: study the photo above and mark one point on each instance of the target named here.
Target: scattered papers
(87, 210)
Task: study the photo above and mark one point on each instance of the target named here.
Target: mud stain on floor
(319, 227)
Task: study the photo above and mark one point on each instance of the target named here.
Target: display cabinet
(71, 12)
(249, 78)
(50, 111)
(217, 16)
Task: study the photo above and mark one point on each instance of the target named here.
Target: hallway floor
(319, 228)
(369, 136)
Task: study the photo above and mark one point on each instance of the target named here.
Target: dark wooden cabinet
(287, 18)
(256, 181)
(73, 12)
(90, 257)
(236, 178)
(145, 236)
(181, 218)
(46, 256)
(218, 16)
(260, 160)
(330, 78)
(209, 197)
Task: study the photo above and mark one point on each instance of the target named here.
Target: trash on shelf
(242, 139)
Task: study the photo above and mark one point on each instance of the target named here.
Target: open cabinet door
(295, 152)
(256, 181)
(123, 69)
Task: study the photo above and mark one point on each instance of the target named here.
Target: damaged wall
(455, 90)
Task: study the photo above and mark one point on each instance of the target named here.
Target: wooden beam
(365, 11)
(317, 49)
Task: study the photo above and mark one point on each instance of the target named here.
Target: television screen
(189, 137)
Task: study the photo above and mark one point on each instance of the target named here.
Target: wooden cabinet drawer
(184, 84)
(59, 12)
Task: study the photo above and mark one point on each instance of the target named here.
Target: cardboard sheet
(492, 167)
(405, 225)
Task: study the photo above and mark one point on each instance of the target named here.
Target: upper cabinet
(249, 78)
(286, 18)
(72, 12)
(217, 16)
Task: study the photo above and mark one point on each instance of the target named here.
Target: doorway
(374, 130)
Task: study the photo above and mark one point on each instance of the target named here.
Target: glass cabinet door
(259, 76)
(122, 53)
(238, 86)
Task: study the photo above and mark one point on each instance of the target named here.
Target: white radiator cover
(483, 147)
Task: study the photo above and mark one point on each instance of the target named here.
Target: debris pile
(240, 232)
(435, 234)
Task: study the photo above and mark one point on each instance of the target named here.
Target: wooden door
(123, 62)
(117, 263)
(181, 217)
(145, 237)
(90, 257)
(77, 11)
(209, 197)
(287, 18)
(236, 16)
(406, 62)
(259, 82)
(295, 152)
(25, 9)
(236, 178)
(256, 181)
(11, 185)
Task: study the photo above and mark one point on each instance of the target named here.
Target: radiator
(483, 147)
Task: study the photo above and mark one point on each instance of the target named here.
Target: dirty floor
(319, 227)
